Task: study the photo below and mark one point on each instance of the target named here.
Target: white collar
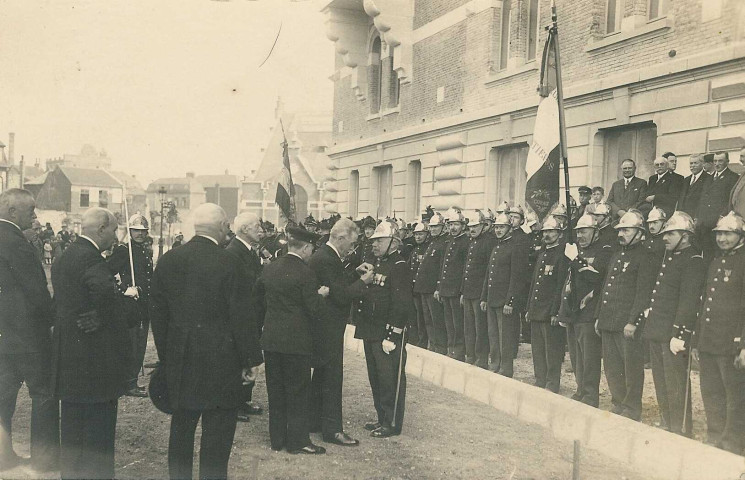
(626, 181)
(697, 175)
(660, 176)
(8, 221)
(207, 236)
(719, 174)
(296, 255)
(91, 240)
(248, 245)
(334, 249)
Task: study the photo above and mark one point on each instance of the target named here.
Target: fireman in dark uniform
(589, 261)
(721, 325)
(502, 295)
(365, 249)
(671, 315)
(547, 336)
(142, 259)
(654, 244)
(626, 290)
(423, 329)
(425, 285)
(475, 330)
(607, 235)
(386, 306)
(451, 279)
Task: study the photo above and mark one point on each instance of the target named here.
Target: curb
(646, 449)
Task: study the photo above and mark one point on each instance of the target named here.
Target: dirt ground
(445, 436)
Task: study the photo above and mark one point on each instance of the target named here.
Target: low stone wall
(646, 449)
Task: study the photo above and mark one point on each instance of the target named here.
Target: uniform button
(615, 269)
(708, 319)
(605, 301)
(612, 277)
(716, 279)
(536, 298)
(656, 283)
(652, 300)
(712, 289)
(708, 309)
(609, 284)
(709, 299)
(654, 291)
(607, 293)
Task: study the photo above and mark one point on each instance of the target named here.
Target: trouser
(218, 430)
(587, 370)
(326, 396)
(138, 336)
(34, 369)
(623, 360)
(247, 393)
(423, 327)
(454, 327)
(433, 310)
(475, 333)
(723, 392)
(383, 371)
(503, 330)
(88, 432)
(288, 385)
(572, 347)
(670, 376)
(547, 344)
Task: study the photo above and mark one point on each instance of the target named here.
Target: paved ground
(445, 436)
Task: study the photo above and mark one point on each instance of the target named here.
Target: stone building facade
(435, 100)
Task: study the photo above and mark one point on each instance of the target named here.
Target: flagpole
(562, 124)
(285, 147)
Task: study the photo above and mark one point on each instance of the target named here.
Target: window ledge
(392, 110)
(374, 116)
(512, 72)
(653, 28)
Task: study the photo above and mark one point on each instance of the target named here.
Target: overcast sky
(164, 86)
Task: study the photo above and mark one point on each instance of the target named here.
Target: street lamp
(162, 194)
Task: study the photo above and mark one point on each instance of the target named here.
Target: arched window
(394, 85)
(375, 75)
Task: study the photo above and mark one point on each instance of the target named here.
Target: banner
(285, 198)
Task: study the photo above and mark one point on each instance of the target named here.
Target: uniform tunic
(449, 286)
(425, 283)
(420, 326)
(475, 331)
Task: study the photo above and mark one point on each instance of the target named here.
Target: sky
(164, 86)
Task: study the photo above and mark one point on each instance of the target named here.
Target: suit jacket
(251, 263)
(690, 195)
(343, 290)
(737, 196)
(203, 325)
(26, 310)
(622, 198)
(666, 191)
(715, 199)
(89, 367)
(287, 292)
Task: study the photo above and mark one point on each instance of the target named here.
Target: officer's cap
(679, 221)
(302, 234)
(656, 214)
(138, 222)
(631, 219)
(584, 189)
(732, 222)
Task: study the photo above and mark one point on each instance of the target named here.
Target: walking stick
(398, 382)
(688, 391)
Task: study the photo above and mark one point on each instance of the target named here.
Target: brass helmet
(454, 215)
(551, 223)
(436, 220)
(531, 218)
(732, 222)
(138, 222)
(656, 214)
(421, 227)
(490, 215)
(586, 221)
(502, 219)
(503, 207)
(480, 219)
(679, 221)
(386, 229)
(517, 210)
(559, 210)
(631, 219)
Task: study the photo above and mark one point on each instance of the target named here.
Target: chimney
(227, 172)
(11, 148)
(189, 174)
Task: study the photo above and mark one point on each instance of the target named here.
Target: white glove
(525, 227)
(571, 251)
(132, 292)
(388, 346)
(677, 345)
(323, 291)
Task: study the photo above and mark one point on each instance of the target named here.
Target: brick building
(435, 100)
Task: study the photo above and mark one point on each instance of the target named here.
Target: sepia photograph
(372, 239)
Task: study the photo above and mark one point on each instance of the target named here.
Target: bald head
(210, 220)
(247, 227)
(17, 205)
(100, 226)
(343, 236)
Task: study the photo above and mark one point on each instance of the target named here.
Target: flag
(542, 165)
(285, 198)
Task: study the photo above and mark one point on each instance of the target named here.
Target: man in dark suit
(628, 192)
(737, 197)
(663, 188)
(93, 352)
(244, 246)
(206, 339)
(328, 351)
(25, 341)
(693, 186)
(714, 203)
(288, 298)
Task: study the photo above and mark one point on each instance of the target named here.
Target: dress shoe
(252, 409)
(341, 438)
(243, 417)
(577, 396)
(384, 431)
(372, 426)
(309, 450)
(8, 462)
(136, 392)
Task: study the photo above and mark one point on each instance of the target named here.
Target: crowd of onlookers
(48, 245)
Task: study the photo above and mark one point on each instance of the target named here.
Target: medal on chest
(727, 274)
